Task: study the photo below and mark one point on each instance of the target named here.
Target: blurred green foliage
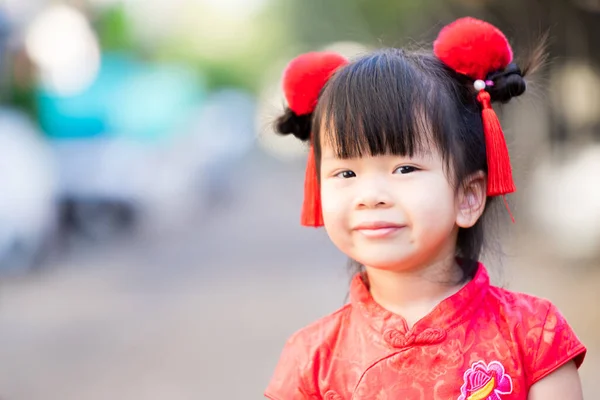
(114, 31)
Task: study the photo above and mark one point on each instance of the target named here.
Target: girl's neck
(414, 293)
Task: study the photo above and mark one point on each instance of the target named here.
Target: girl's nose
(373, 196)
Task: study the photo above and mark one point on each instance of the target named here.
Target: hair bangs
(378, 105)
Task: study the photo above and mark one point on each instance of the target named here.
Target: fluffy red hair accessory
(303, 80)
(473, 47)
(476, 48)
(305, 76)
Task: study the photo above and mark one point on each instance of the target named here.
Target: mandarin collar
(430, 329)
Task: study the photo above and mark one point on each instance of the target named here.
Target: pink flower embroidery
(485, 382)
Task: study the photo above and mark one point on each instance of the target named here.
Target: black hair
(394, 101)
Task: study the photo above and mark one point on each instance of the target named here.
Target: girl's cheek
(333, 205)
(327, 197)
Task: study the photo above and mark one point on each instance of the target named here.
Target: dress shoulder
(296, 374)
(545, 338)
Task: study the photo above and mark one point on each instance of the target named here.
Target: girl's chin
(384, 258)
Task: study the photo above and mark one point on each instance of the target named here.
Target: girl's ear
(471, 199)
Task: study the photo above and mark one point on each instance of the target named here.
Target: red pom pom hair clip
(303, 79)
(476, 48)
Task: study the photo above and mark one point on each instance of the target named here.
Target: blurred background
(149, 238)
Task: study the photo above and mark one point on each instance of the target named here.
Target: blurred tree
(227, 52)
(113, 29)
(372, 22)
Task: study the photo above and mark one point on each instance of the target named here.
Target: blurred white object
(105, 178)
(164, 180)
(565, 203)
(65, 49)
(27, 190)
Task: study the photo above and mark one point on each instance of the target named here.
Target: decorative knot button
(431, 336)
(398, 339)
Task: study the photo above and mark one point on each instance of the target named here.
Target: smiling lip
(378, 229)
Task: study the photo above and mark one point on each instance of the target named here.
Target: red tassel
(312, 214)
(500, 180)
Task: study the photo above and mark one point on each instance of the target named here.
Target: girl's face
(395, 213)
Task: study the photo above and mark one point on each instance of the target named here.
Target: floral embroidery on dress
(485, 382)
(331, 395)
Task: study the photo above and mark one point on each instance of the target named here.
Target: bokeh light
(64, 47)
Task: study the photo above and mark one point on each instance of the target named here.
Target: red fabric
(305, 76)
(500, 179)
(482, 343)
(312, 215)
(473, 47)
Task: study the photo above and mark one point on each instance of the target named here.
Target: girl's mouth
(378, 229)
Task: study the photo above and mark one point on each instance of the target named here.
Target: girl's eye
(346, 174)
(405, 169)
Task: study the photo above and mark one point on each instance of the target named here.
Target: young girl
(406, 157)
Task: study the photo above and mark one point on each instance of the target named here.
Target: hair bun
(508, 83)
(297, 125)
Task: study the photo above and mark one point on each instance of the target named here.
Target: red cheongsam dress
(482, 343)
